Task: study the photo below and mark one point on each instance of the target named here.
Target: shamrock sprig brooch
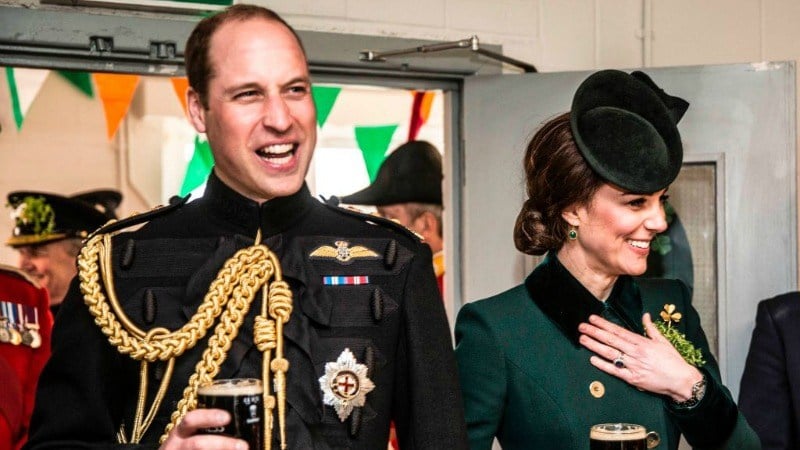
(33, 214)
(687, 350)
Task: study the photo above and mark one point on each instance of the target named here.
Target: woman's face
(615, 230)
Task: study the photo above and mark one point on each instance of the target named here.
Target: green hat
(42, 217)
(625, 127)
(411, 173)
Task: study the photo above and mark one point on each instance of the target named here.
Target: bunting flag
(181, 85)
(324, 98)
(420, 111)
(199, 167)
(81, 80)
(373, 142)
(116, 92)
(24, 85)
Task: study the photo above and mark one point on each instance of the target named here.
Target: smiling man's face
(261, 120)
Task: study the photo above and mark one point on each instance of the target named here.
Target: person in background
(580, 342)
(25, 326)
(408, 190)
(334, 311)
(769, 394)
(48, 233)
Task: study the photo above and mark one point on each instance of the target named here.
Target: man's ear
(425, 222)
(197, 113)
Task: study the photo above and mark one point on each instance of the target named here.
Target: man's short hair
(415, 210)
(198, 67)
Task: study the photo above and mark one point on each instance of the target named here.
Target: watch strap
(698, 392)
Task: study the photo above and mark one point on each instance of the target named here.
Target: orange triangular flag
(180, 85)
(420, 111)
(116, 91)
(425, 107)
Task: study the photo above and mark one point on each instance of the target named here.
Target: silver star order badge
(345, 384)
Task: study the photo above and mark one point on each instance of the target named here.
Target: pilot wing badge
(343, 253)
(345, 384)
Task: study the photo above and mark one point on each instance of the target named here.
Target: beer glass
(242, 398)
(621, 436)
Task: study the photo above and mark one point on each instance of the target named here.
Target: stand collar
(273, 216)
(568, 303)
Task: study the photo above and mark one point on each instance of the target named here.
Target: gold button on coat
(597, 389)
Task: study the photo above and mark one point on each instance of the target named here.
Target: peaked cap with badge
(42, 217)
(625, 127)
(411, 173)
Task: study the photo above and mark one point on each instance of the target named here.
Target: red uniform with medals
(25, 325)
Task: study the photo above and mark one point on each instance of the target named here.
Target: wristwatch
(698, 392)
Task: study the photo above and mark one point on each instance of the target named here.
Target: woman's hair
(557, 177)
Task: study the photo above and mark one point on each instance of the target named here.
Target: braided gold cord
(234, 289)
(127, 338)
(162, 391)
(266, 340)
(280, 309)
(250, 277)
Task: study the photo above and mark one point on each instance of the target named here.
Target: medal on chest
(345, 384)
(19, 324)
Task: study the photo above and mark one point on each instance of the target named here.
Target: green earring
(572, 234)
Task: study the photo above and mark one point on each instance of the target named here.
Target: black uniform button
(150, 308)
(377, 305)
(369, 360)
(355, 416)
(158, 371)
(390, 255)
(127, 255)
(355, 421)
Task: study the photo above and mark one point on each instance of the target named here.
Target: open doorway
(72, 131)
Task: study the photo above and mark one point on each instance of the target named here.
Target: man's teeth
(277, 149)
(640, 244)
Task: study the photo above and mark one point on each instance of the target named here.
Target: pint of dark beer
(618, 436)
(242, 398)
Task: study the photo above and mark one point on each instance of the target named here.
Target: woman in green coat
(581, 341)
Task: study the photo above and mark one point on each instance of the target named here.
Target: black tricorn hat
(412, 173)
(42, 217)
(625, 127)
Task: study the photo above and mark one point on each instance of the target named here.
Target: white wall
(558, 35)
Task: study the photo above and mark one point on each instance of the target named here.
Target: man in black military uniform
(334, 311)
(48, 230)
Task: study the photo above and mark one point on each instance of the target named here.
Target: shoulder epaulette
(332, 204)
(136, 219)
(19, 273)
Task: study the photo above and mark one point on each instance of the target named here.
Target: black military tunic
(385, 309)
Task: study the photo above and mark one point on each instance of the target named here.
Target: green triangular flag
(324, 98)
(373, 142)
(199, 167)
(15, 104)
(81, 80)
(24, 86)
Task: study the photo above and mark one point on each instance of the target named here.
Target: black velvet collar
(273, 216)
(568, 303)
